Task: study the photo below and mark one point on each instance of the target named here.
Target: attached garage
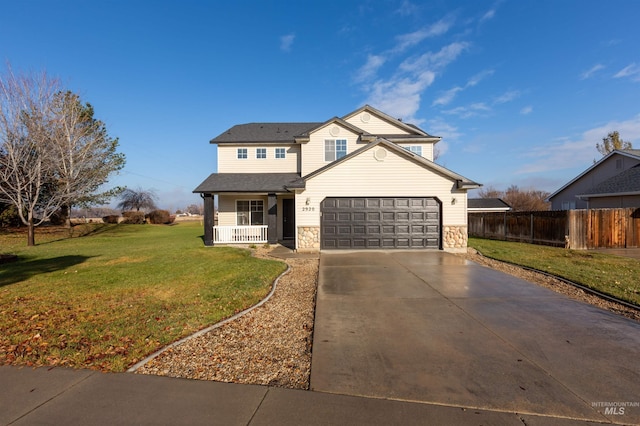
(380, 223)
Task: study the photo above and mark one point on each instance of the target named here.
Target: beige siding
(313, 151)
(363, 175)
(229, 163)
(375, 125)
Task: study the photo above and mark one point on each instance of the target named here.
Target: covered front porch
(246, 215)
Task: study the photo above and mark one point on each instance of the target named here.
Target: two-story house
(362, 181)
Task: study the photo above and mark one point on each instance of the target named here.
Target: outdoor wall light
(453, 201)
(308, 201)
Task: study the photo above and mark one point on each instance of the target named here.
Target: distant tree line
(519, 199)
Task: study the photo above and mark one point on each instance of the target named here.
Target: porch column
(272, 230)
(208, 219)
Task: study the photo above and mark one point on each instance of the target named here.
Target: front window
(261, 152)
(280, 153)
(249, 212)
(334, 149)
(242, 153)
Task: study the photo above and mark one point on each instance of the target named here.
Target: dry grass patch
(119, 292)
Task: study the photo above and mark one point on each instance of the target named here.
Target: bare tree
(195, 209)
(490, 192)
(611, 143)
(137, 199)
(519, 199)
(26, 170)
(526, 200)
(83, 151)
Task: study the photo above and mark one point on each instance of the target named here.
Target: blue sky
(520, 90)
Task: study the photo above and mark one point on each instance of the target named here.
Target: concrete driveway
(433, 327)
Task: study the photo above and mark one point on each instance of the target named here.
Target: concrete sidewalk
(57, 396)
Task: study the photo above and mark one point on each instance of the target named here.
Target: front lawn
(613, 275)
(106, 299)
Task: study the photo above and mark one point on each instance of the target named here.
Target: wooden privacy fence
(576, 229)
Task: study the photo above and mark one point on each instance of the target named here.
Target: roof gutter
(467, 185)
(608, 194)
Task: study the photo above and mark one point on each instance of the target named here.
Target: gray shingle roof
(263, 132)
(250, 182)
(487, 203)
(623, 183)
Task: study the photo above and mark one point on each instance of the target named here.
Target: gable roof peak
(412, 128)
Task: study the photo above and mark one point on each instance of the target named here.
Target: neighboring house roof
(633, 153)
(625, 183)
(250, 182)
(461, 181)
(487, 204)
(263, 132)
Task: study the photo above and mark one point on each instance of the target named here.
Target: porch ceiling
(250, 182)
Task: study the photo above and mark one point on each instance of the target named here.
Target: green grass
(116, 293)
(613, 275)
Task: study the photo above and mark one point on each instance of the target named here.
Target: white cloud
(591, 71)
(408, 40)
(370, 68)
(488, 15)
(407, 9)
(400, 97)
(567, 153)
(437, 60)
(631, 70)
(448, 95)
(286, 41)
(507, 97)
(478, 78)
(439, 127)
(526, 110)
(472, 110)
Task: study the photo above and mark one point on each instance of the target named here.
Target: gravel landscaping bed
(270, 345)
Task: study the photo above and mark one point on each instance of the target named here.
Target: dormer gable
(380, 124)
(335, 126)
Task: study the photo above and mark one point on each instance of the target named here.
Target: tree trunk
(31, 233)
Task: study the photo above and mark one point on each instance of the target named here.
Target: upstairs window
(242, 153)
(261, 152)
(416, 149)
(334, 149)
(281, 153)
